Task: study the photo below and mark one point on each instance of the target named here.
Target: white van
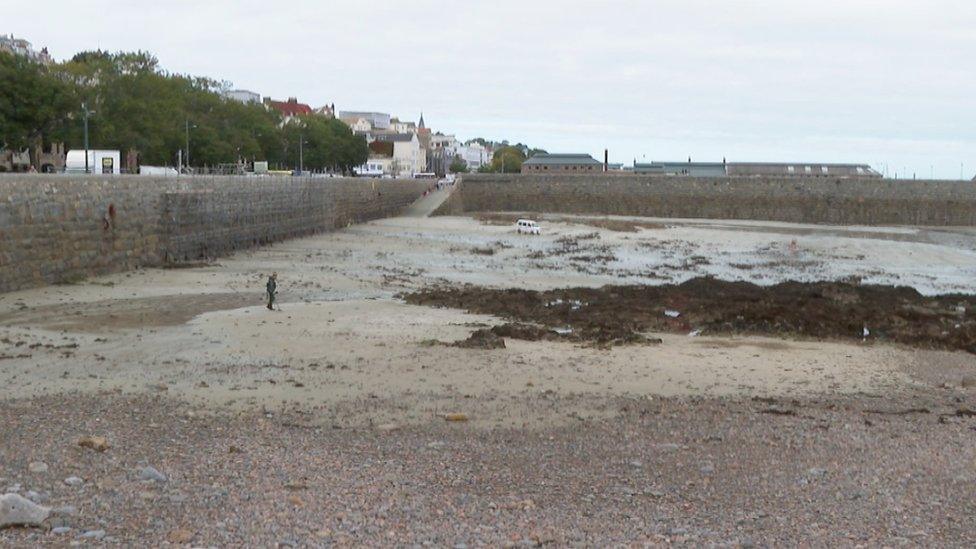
(527, 226)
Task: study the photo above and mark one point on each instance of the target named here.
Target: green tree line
(138, 106)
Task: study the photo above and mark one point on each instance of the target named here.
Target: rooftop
(562, 159)
(393, 137)
(291, 107)
(679, 163)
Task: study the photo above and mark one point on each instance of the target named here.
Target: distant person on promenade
(272, 288)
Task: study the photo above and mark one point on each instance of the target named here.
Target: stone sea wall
(57, 228)
(826, 201)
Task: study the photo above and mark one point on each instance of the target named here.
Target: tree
(329, 144)
(458, 165)
(34, 104)
(507, 159)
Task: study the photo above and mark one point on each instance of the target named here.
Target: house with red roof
(289, 109)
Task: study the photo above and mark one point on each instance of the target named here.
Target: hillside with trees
(139, 106)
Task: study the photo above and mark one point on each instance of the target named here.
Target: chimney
(606, 160)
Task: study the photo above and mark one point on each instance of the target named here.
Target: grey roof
(679, 163)
(562, 159)
(394, 137)
(777, 164)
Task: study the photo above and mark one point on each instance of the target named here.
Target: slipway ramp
(426, 205)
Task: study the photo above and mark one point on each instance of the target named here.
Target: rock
(61, 530)
(968, 381)
(94, 534)
(707, 469)
(37, 467)
(455, 416)
(180, 535)
(73, 481)
(99, 444)
(37, 497)
(387, 427)
(16, 510)
(151, 474)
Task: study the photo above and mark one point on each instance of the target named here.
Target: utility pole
(84, 107)
(187, 128)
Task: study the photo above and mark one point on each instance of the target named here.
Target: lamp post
(84, 108)
(187, 129)
(301, 154)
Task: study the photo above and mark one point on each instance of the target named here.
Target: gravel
(692, 471)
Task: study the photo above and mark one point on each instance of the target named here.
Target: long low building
(756, 169)
(561, 163)
(801, 169)
(691, 169)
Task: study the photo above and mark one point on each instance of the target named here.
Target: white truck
(527, 226)
(99, 161)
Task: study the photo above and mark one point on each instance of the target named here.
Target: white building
(409, 158)
(376, 167)
(447, 143)
(243, 96)
(475, 155)
(361, 125)
(376, 120)
(402, 127)
(19, 46)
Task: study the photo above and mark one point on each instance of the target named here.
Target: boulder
(16, 510)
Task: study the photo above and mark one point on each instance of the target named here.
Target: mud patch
(820, 310)
(111, 314)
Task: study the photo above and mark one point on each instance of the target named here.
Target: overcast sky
(888, 82)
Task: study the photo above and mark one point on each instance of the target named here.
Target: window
(823, 169)
(860, 170)
(791, 169)
(808, 169)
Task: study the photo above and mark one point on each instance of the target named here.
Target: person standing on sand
(272, 288)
